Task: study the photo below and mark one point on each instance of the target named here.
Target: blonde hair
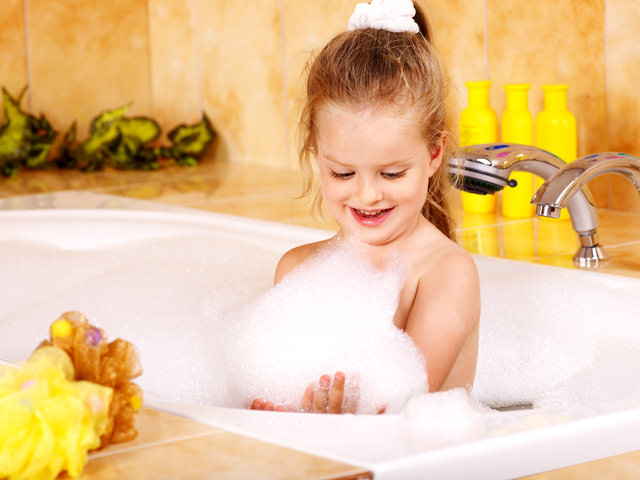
(368, 67)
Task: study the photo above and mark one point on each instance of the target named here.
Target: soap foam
(209, 326)
(333, 313)
(189, 303)
(448, 416)
(579, 351)
(163, 295)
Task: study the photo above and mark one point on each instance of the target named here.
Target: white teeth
(370, 213)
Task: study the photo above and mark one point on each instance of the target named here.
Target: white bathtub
(498, 445)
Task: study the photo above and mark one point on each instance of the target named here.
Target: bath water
(196, 306)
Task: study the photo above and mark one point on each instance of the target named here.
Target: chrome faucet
(560, 188)
(486, 168)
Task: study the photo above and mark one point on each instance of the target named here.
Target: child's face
(374, 171)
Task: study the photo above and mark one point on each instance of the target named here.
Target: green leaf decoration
(189, 142)
(114, 141)
(192, 139)
(106, 119)
(24, 139)
(142, 128)
(66, 155)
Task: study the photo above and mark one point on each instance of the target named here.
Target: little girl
(376, 124)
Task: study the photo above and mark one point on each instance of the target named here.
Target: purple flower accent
(93, 337)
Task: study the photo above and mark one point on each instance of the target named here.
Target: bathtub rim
(547, 447)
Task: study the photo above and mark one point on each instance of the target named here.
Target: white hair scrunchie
(390, 15)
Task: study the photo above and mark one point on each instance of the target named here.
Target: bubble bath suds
(208, 323)
(334, 312)
(196, 306)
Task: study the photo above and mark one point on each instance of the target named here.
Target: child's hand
(322, 397)
(328, 397)
(258, 404)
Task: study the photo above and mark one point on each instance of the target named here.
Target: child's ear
(436, 153)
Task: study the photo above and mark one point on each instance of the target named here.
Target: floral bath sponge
(112, 364)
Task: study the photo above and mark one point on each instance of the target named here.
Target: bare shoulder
(295, 257)
(452, 266)
(457, 261)
(448, 272)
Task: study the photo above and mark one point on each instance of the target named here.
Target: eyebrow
(396, 163)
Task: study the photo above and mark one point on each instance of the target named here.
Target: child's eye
(392, 175)
(343, 176)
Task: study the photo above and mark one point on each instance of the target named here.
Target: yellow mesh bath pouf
(49, 421)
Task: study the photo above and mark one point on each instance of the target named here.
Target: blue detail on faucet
(496, 147)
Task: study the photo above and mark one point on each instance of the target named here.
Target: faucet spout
(556, 193)
(486, 168)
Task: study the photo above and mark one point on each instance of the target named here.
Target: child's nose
(369, 191)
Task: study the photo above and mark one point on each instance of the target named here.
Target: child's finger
(306, 404)
(336, 394)
(351, 400)
(257, 404)
(321, 396)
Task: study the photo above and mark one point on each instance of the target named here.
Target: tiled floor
(171, 448)
(270, 194)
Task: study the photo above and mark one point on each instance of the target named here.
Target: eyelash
(387, 175)
(341, 176)
(391, 176)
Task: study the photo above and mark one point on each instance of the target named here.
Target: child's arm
(444, 318)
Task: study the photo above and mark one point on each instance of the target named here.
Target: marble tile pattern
(307, 27)
(623, 101)
(241, 62)
(13, 60)
(240, 51)
(176, 95)
(536, 43)
(200, 451)
(87, 57)
(459, 30)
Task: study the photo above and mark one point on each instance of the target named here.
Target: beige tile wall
(85, 57)
(13, 58)
(623, 102)
(174, 64)
(241, 63)
(241, 57)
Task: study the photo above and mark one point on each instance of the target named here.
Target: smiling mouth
(371, 214)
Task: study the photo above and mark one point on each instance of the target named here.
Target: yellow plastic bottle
(517, 127)
(478, 124)
(556, 129)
